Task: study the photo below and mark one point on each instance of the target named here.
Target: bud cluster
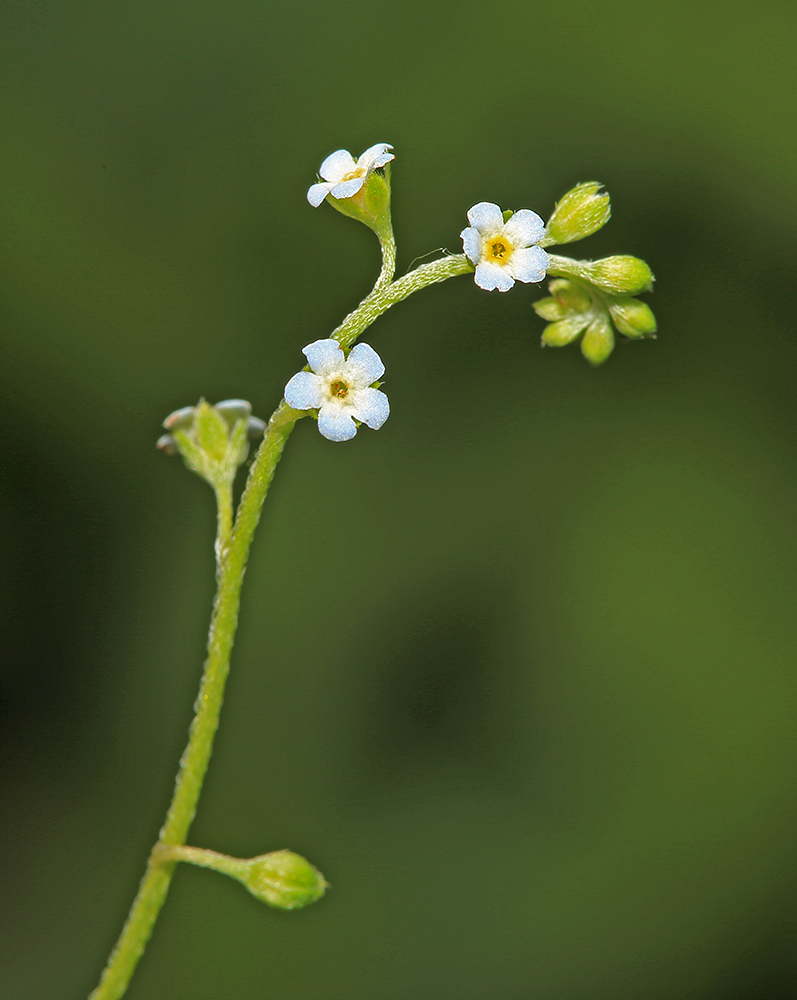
(576, 308)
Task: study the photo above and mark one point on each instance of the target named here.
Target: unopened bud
(281, 879)
(572, 297)
(285, 880)
(580, 213)
(624, 275)
(564, 331)
(632, 317)
(598, 341)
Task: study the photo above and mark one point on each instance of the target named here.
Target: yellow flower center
(338, 389)
(350, 176)
(498, 249)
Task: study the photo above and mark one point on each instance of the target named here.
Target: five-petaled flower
(343, 176)
(340, 388)
(504, 252)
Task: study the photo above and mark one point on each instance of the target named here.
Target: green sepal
(371, 204)
(211, 431)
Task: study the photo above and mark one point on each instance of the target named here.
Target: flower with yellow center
(504, 252)
(343, 176)
(340, 388)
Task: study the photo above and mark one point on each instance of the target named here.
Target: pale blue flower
(504, 252)
(340, 388)
(344, 176)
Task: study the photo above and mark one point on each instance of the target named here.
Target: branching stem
(233, 543)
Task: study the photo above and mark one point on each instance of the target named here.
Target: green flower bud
(628, 275)
(581, 212)
(284, 879)
(598, 341)
(550, 309)
(632, 317)
(281, 879)
(564, 331)
(572, 297)
(371, 204)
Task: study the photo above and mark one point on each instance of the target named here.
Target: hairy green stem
(234, 867)
(223, 493)
(385, 296)
(194, 762)
(232, 549)
(566, 267)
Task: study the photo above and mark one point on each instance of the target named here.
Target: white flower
(504, 252)
(343, 177)
(340, 388)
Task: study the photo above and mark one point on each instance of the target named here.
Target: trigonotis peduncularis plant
(589, 301)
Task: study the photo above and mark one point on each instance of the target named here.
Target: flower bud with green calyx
(564, 331)
(566, 298)
(598, 342)
(371, 204)
(213, 440)
(620, 275)
(580, 213)
(632, 317)
(281, 879)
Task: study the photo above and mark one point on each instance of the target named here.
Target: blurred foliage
(517, 672)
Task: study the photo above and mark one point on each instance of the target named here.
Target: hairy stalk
(387, 244)
(232, 550)
(223, 493)
(385, 296)
(566, 267)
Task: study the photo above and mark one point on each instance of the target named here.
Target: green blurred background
(517, 672)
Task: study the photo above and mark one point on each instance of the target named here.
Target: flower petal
(317, 193)
(525, 228)
(363, 366)
(347, 188)
(371, 406)
(337, 165)
(324, 355)
(376, 156)
(486, 217)
(305, 391)
(528, 264)
(335, 422)
(472, 244)
(490, 276)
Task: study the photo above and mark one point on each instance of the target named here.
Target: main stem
(195, 759)
(232, 561)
